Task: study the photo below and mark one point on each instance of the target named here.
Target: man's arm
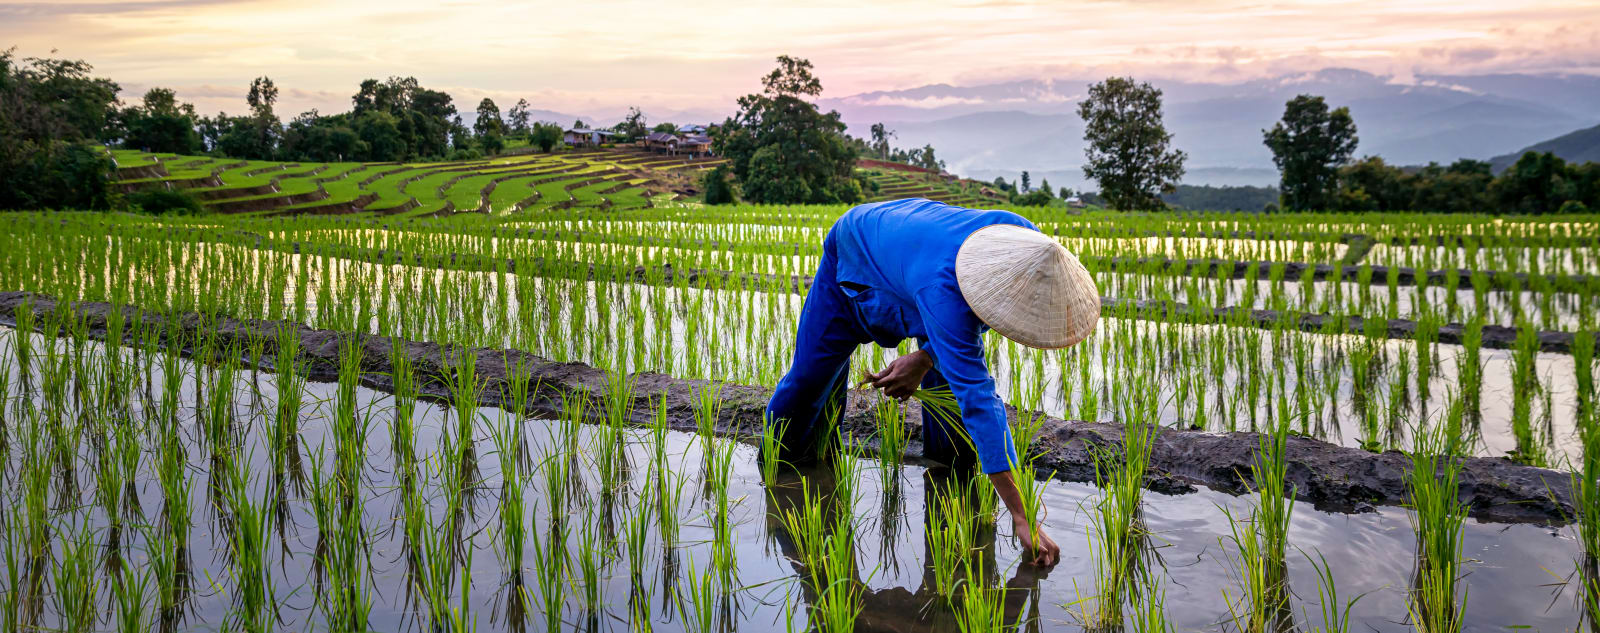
(953, 338)
(1045, 552)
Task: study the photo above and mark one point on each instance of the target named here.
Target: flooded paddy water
(428, 539)
(143, 489)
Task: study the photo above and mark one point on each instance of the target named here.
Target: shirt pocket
(880, 316)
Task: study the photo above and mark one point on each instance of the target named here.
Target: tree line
(54, 115)
(1129, 155)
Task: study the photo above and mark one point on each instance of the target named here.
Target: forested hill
(1575, 147)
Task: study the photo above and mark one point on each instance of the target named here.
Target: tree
(313, 137)
(632, 127)
(577, 124)
(517, 119)
(1026, 181)
(1127, 144)
(488, 121)
(1371, 185)
(717, 188)
(51, 112)
(665, 126)
(161, 124)
(1066, 193)
(1044, 185)
(255, 137)
(545, 135)
(926, 160)
(1537, 183)
(423, 117)
(1308, 146)
(1038, 198)
(880, 140)
(782, 148)
(263, 95)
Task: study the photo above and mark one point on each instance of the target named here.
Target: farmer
(943, 275)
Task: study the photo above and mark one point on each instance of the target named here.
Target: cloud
(563, 54)
(929, 101)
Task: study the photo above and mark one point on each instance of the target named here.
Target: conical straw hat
(1027, 287)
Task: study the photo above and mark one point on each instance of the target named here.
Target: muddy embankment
(1330, 477)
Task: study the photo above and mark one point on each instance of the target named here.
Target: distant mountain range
(1576, 147)
(1003, 128)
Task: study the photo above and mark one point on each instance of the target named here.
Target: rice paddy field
(547, 417)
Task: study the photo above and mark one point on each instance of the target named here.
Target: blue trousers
(810, 398)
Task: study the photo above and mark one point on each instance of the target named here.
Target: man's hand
(1045, 553)
(903, 375)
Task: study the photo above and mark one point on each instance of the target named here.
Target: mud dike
(1332, 478)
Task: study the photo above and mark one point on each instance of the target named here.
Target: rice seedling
(1583, 365)
(77, 585)
(1525, 386)
(707, 409)
(1031, 490)
(550, 573)
(838, 591)
(513, 506)
(700, 614)
(1334, 614)
(588, 564)
(248, 541)
(1437, 514)
(1149, 610)
(980, 608)
(950, 538)
(608, 439)
(1116, 532)
(722, 544)
(639, 523)
(846, 467)
(1469, 370)
(771, 455)
(128, 590)
(434, 549)
(402, 428)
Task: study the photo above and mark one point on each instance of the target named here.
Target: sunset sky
(598, 56)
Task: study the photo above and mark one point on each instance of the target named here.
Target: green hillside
(1575, 147)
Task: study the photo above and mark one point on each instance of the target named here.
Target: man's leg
(946, 441)
(813, 391)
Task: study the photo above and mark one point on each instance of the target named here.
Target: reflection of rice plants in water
(1438, 601)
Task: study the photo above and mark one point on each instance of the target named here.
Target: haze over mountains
(1003, 128)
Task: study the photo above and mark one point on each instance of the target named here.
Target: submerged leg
(811, 396)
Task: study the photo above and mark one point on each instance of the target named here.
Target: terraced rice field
(894, 184)
(602, 179)
(514, 395)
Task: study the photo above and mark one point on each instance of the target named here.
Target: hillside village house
(585, 137)
(689, 139)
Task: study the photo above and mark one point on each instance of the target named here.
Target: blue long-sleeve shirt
(897, 263)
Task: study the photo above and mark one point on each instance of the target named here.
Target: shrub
(1573, 206)
(718, 189)
(53, 175)
(165, 202)
(1035, 198)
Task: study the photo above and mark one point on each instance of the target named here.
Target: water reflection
(897, 609)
